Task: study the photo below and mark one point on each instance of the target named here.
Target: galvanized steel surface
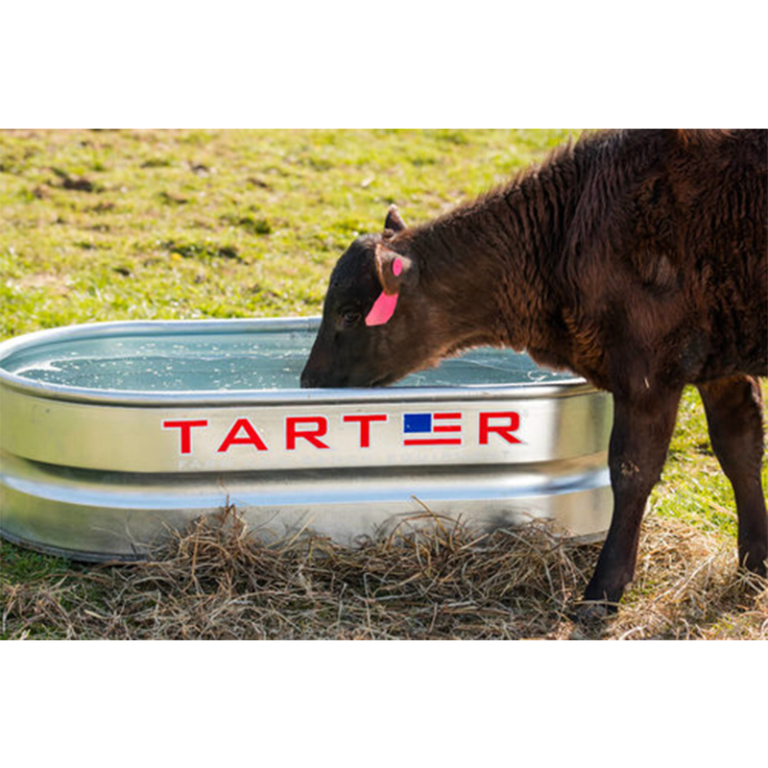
(100, 473)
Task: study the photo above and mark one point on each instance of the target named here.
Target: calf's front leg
(641, 433)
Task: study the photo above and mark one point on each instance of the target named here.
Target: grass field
(113, 225)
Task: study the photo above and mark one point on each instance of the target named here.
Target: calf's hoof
(593, 611)
(756, 565)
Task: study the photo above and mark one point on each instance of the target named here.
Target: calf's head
(375, 326)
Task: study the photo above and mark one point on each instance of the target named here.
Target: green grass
(117, 225)
(202, 224)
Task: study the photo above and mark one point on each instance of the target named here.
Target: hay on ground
(434, 580)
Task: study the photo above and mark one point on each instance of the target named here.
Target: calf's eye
(350, 318)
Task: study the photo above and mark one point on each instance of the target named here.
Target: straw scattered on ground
(442, 581)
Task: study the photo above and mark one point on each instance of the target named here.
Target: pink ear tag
(384, 307)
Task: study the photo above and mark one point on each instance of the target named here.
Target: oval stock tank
(112, 433)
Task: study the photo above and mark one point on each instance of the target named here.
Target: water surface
(171, 361)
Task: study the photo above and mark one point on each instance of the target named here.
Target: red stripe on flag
(446, 428)
(439, 441)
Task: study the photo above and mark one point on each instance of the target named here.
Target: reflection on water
(270, 360)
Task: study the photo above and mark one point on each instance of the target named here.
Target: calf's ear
(394, 220)
(394, 270)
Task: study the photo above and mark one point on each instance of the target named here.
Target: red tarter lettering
(310, 435)
(365, 425)
(505, 430)
(186, 427)
(251, 437)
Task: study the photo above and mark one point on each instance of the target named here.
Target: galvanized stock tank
(110, 433)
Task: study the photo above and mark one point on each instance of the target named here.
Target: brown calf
(638, 259)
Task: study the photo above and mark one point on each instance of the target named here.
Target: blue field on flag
(432, 428)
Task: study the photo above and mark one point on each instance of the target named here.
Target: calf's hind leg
(735, 416)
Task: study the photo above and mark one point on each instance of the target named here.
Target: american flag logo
(432, 429)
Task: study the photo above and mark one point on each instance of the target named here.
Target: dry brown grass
(216, 581)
